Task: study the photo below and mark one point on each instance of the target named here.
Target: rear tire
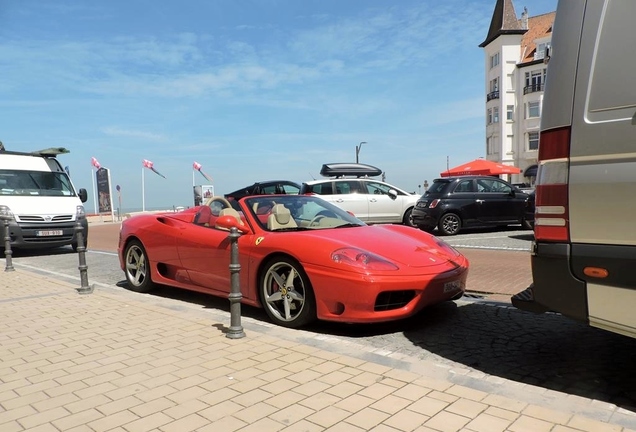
(137, 268)
(408, 218)
(449, 224)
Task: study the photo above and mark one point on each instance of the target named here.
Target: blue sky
(251, 89)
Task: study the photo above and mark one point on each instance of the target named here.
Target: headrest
(230, 212)
(282, 214)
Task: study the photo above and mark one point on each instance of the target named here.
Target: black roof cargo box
(349, 169)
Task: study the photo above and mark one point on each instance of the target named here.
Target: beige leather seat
(279, 218)
(230, 212)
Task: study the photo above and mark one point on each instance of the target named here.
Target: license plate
(49, 233)
(452, 286)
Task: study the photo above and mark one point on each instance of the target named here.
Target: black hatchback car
(453, 203)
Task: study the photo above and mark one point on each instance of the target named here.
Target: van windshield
(28, 183)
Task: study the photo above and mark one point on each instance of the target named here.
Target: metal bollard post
(7, 244)
(236, 329)
(83, 268)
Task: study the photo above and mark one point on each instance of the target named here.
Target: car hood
(405, 246)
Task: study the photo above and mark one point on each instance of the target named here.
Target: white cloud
(118, 132)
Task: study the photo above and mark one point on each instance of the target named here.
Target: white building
(515, 75)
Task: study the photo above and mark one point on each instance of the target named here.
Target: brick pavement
(124, 362)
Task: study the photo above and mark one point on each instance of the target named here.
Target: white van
(39, 197)
(584, 254)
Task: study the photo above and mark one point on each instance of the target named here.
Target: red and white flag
(151, 166)
(95, 163)
(197, 166)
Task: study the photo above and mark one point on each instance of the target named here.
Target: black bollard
(7, 244)
(236, 329)
(83, 268)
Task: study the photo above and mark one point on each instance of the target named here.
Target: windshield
(297, 212)
(28, 183)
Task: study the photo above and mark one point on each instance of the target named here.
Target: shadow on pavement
(547, 350)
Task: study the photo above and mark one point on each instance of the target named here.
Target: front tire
(286, 293)
(449, 224)
(138, 268)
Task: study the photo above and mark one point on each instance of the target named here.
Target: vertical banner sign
(103, 190)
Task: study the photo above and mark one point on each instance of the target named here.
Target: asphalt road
(482, 337)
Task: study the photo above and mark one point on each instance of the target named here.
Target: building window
(494, 84)
(494, 90)
(494, 60)
(495, 115)
(535, 81)
(489, 146)
(489, 116)
(540, 51)
(533, 109)
(533, 140)
(510, 112)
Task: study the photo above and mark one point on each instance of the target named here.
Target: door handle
(479, 201)
(373, 200)
(339, 200)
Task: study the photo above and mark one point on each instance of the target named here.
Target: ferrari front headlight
(361, 259)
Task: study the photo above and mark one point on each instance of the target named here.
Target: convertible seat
(279, 218)
(230, 212)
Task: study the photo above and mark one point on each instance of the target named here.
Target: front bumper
(356, 298)
(43, 235)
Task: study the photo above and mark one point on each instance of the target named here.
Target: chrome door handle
(479, 201)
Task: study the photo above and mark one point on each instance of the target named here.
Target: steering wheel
(214, 202)
(316, 220)
(321, 215)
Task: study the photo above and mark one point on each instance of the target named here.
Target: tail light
(551, 220)
(433, 203)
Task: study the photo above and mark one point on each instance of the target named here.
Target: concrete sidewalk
(119, 361)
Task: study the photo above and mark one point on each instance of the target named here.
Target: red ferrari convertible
(301, 259)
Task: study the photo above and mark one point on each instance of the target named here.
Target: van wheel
(449, 224)
(408, 218)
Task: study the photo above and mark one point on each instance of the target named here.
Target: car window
(464, 186)
(290, 190)
(320, 188)
(376, 188)
(345, 187)
(492, 185)
(437, 187)
(499, 186)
